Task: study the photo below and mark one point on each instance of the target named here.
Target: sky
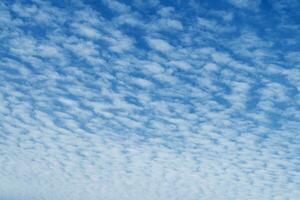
(150, 99)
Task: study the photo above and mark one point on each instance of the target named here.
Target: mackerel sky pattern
(149, 99)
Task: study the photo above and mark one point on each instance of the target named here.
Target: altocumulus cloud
(149, 100)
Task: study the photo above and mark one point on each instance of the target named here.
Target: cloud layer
(149, 100)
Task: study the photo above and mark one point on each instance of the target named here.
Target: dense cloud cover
(152, 100)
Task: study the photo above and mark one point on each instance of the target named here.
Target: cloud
(245, 3)
(180, 64)
(102, 100)
(117, 6)
(159, 44)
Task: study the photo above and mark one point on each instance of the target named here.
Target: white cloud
(180, 64)
(167, 24)
(86, 31)
(141, 82)
(117, 6)
(245, 3)
(159, 44)
(154, 68)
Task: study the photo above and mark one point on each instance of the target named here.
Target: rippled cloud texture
(152, 100)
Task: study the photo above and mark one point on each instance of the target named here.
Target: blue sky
(151, 99)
